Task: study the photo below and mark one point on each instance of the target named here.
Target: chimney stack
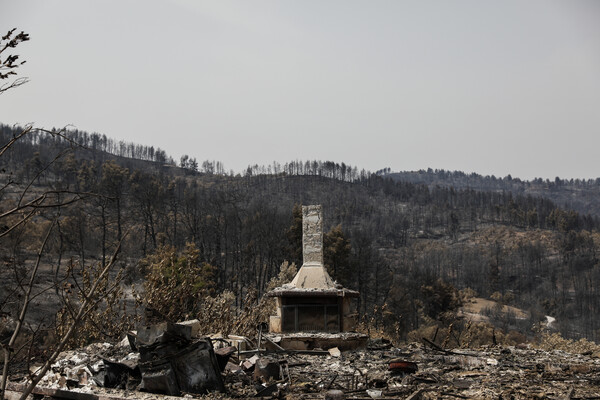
(312, 235)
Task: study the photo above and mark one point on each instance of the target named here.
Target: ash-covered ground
(499, 372)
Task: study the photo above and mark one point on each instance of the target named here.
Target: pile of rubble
(168, 359)
(417, 371)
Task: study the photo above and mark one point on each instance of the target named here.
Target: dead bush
(107, 317)
(556, 342)
(466, 295)
(177, 284)
(428, 332)
(513, 338)
(220, 315)
(381, 323)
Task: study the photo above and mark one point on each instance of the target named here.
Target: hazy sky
(494, 87)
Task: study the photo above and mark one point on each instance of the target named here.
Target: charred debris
(171, 360)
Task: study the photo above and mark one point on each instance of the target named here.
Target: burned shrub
(439, 299)
(176, 284)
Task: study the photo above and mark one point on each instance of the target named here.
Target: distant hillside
(580, 195)
(407, 247)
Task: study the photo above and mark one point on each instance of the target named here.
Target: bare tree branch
(83, 309)
(10, 63)
(16, 83)
(38, 203)
(14, 139)
(23, 220)
(39, 173)
(7, 184)
(25, 306)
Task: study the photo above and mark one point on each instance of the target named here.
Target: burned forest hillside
(580, 195)
(422, 255)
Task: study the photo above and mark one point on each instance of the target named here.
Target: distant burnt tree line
(326, 169)
(95, 142)
(487, 182)
(102, 147)
(391, 240)
(577, 194)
